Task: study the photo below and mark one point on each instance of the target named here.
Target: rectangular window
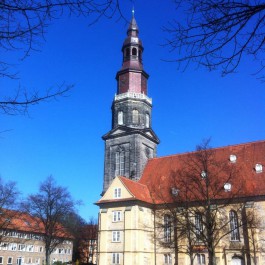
(167, 228)
(198, 226)
(168, 259)
(116, 236)
(22, 247)
(116, 216)
(117, 192)
(41, 249)
(12, 246)
(37, 260)
(4, 246)
(9, 260)
(200, 258)
(234, 226)
(115, 258)
(1, 260)
(30, 248)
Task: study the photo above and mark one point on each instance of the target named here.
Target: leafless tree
(88, 241)
(197, 200)
(8, 207)
(255, 230)
(23, 25)
(51, 206)
(218, 34)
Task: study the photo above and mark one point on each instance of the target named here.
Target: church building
(198, 208)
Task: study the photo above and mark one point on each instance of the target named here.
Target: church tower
(131, 141)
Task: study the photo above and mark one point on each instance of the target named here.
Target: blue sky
(63, 138)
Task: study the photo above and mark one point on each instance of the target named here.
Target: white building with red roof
(202, 207)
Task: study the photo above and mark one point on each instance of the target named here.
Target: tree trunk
(47, 257)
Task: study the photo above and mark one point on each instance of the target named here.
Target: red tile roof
(160, 173)
(26, 223)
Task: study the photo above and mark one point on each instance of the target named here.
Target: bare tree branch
(218, 34)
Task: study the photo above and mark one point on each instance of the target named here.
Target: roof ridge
(133, 181)
(213, 148)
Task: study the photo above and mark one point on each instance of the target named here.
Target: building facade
(131, 141)
(21, 244)
(203, 207)
(164, 217)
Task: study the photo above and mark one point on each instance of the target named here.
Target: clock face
(134, 40)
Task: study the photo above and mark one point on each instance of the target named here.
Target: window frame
(9, 263)
(135, 116)
(120, 117)
(116, 236)
(198, 223)
(234, 227)
(167, 228)
(167, 258)
(119, 163)
(116, 258)
(200, 259)
(116, 216)
(117, 193)
(1, 260)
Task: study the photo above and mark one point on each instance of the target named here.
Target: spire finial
(133, 11)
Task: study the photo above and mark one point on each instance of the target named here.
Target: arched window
(198, 226)
(167, 228)
(147, 120)
(135, 116)
(134, 51)
(234, 226)
(119, 163)
(120, 117)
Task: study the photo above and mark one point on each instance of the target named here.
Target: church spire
(131, 140)
(132, 77)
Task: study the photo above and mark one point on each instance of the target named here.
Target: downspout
(98, 241)
(124, 238)
(245, 235)
(155, 234)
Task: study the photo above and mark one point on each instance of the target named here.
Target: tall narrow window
(134, 52)
(234, 226)
(135, 116)
(115, 258)
(198, 226)
(119, 163)
(167, 228)
(116, 236)
(167, 259)
(200, 259)
(120, 117)
(147, 120)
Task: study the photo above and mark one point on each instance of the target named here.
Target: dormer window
(232, 158)
(227, 187)
(258, 168)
